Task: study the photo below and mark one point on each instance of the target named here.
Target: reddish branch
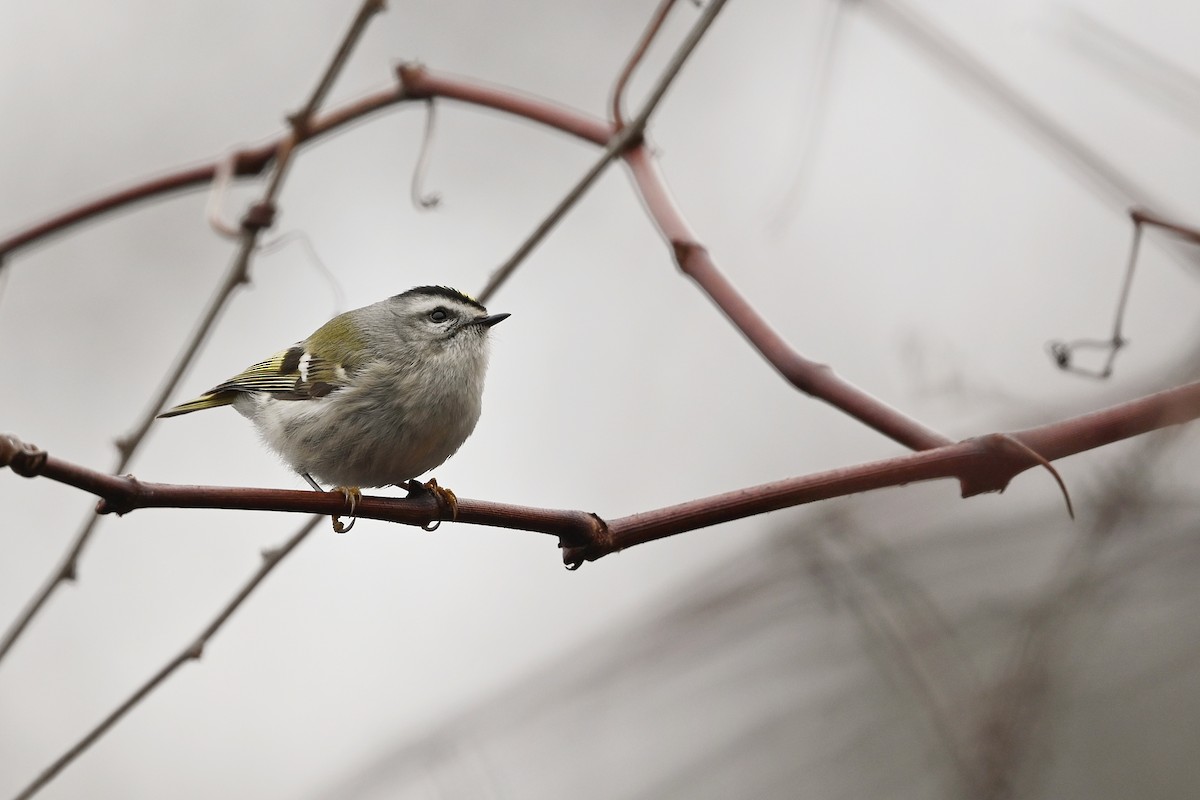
(811, 377)
(1188, 233)
(419, 83)
(983, 464)
(253, 161)
(635, 58)
(257, 218)
(1063, 352)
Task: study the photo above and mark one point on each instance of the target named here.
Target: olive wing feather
(291, 374)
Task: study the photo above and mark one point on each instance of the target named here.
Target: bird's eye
(439, 314)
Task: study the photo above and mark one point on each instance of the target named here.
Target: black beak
(489, 321)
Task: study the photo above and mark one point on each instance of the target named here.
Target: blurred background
(923, 223)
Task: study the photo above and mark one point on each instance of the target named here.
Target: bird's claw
(353, 495)
(446, 500)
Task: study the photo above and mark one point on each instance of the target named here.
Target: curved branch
(635, 58)
(415, 83)
(811, 377)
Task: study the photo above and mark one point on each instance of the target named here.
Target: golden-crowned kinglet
(376, 396)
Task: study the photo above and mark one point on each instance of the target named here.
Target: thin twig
(414, 82)
(1063, 352)
(1188, 233)
(192, 652)
(366, 12)
(505, 270)
(635, 58)
(257, 218)
(628, 136)
(422, 201)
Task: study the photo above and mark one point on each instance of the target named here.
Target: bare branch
(982, 464)
(415, 83)
(635, 58)
(1063, 352)
(357, 28)
(625, 137)
(813, 378)
(257, 218)
(1188, 233)
(192, 652)
(422, 201)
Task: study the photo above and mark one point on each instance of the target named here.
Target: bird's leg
(445, 498)
(352, 494)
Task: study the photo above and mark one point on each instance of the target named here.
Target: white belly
(369, 435)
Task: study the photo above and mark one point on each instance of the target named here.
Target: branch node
(124, 503)
(25, 459)
(301, 124)
(588, 542)
(683, 250)
(259, 216)
(410, 73)
(195, 652)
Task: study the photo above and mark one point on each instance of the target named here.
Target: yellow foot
(353, 495)
(446, 500)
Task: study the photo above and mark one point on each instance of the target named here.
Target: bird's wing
(291, 374)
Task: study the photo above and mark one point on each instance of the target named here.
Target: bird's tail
(202, 402)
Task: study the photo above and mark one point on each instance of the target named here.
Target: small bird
(376, 396)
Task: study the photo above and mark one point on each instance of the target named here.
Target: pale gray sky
(932, 229)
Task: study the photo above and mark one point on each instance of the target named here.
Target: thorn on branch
(1007, 457)
(409, 73)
